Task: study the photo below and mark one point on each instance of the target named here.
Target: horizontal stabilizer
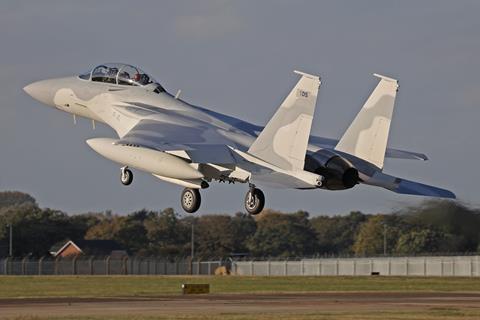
(328, 143)
(400, 154)
(416, 188)
(404, 186)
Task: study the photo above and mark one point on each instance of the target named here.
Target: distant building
(69, 248)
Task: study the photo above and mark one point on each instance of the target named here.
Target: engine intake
(338, 172)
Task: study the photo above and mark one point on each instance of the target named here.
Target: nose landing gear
(254, 200)
(126, 177)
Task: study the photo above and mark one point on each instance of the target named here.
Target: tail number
(302, 94)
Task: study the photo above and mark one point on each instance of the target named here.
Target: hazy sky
(237, 58)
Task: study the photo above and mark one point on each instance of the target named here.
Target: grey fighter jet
(192, 146)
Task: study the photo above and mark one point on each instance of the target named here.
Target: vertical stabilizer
(367, 136)
(284, 140)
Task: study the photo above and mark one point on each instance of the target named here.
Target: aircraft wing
(199, 142)
(276, 157)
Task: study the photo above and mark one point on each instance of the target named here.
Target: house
(70, 248)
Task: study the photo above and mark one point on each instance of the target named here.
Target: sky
(237, 58)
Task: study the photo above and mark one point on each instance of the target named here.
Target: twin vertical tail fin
(284, 140)
(367, 136)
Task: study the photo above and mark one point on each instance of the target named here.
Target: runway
(281, 303)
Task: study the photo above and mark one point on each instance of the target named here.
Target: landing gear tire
(191, 200)
(254, 201)
(126, 177)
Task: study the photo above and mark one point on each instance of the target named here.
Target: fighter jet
(192, 146)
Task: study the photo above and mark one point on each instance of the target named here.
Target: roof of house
(88, 247)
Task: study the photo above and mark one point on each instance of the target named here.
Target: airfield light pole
(384, 239)
(192, 252)
(10, 246)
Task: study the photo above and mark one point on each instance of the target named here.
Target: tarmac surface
(237, 303)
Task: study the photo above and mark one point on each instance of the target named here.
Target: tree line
(433, 227)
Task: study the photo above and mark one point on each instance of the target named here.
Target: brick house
(69, 248)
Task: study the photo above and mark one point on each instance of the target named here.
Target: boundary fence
(445, 266)
(106, 266)
(462, 266)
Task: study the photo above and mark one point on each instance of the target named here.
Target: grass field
(23, 288)
(138, 286)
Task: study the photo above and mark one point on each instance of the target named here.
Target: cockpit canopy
(121, 74)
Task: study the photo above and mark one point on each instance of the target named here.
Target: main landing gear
(191, 200)
(126, 177)
(254, 200)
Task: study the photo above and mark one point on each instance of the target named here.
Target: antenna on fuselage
(93, 124)
(74, 119)
(178, 94)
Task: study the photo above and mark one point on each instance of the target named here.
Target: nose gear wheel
(126, 177)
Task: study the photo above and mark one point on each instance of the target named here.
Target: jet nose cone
(42, 91)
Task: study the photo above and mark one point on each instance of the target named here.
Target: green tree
(36, 230)
(370, 237)
(243, 228)
(166, 233)
(423, 241)
(14, 198)
(283, 235)
(85, 221)
(450, 217)
(133, 234)
(107, 228)
(369, 240)
(336, 235)
(214, 236)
